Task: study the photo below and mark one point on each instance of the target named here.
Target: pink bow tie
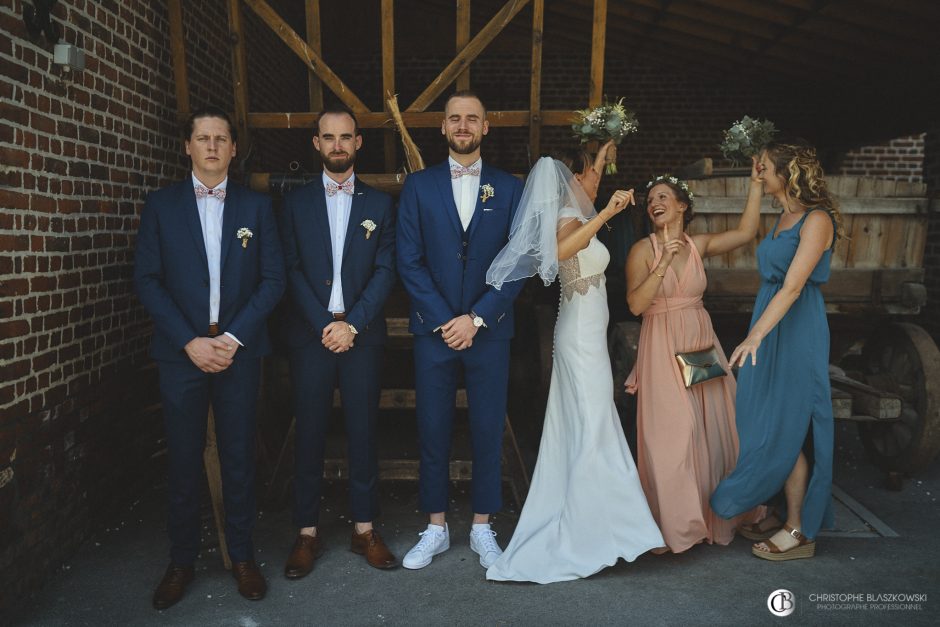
(202, 192)
(456, 171)
(332, 188)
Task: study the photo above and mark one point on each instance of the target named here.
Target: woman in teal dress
(784, 404)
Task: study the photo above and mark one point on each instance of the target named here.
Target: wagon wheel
(903, 359)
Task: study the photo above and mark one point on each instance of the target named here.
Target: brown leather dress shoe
(172, 586)
(373, 547)
(305, 552)
(251, 583)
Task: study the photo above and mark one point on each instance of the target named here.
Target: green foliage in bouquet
(608, 121)
(745, 139)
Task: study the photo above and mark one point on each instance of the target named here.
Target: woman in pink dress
(686, 437)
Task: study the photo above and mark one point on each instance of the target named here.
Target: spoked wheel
(903, 359)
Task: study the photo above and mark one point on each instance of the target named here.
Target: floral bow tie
(202, 192)
(332, 188)
(456, 171)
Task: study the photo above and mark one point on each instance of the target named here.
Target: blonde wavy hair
(798, 165)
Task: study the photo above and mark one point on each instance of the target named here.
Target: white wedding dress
(585, 507)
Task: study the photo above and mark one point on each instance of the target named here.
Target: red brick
(13, 328)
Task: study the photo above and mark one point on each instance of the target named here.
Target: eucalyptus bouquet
(608, 121)
(745, 139)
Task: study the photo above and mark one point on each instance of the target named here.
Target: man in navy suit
(453, 219)
(209, 270)
(339, 246)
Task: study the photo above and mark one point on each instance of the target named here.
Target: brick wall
(78, 153)
(901, 159)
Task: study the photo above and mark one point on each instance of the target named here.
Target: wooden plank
(313, 60)
(467, 55)
(178, 50)
(535, 87)
(463, 38)
(916, 231)
(706, 202)
(844, 286)
(314, 85)
(841, 404)
(402, 399)
(598, 46)
(696, 170)
(413, 119)
(864, 247)
(239, 71)
(396, 469)
(388, 79)
(210, 460)
(867, 400)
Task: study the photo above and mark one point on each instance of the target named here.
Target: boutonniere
(244, 234)
(488, 192)
(369, 226)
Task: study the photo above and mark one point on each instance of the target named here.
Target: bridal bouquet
(745, 139)
(608, 121)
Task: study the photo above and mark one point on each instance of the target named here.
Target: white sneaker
(483, 543)
(434, 540)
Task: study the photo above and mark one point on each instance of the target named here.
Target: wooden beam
(535, 88)
(467, 55)
(388, 78)
(413, 119)
(178, 48)
(463, 38)
(239, 71)
(314, 85)
(598, 45)
(313, 60)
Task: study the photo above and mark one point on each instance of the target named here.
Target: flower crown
(674, 180)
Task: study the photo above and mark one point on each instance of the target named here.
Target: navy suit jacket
(368, 270)
(443, 267)
(172, 270)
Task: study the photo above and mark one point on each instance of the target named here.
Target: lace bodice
(584, 270)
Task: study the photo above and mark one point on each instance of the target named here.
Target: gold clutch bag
(700, 366)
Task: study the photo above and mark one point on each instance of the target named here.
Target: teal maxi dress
(785, 400)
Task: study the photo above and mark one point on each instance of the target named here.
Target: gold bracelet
(659, 275)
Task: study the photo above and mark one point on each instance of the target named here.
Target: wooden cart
(886, 371)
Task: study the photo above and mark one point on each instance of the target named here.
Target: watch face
(478, 321)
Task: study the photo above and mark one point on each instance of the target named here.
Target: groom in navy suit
(453, 219)
(209, 270)
(339, 247)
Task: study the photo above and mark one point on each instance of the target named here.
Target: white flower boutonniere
(244, 234)
(488, 192)
(369, 226)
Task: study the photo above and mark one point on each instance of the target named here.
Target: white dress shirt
(466, 189)
(210, 218)
(338, 207)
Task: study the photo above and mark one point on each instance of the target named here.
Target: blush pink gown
(686, 438)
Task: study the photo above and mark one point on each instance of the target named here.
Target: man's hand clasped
(459, 332)
(337, 337)
(212, 354)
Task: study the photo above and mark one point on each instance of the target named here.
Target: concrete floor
(111, 579)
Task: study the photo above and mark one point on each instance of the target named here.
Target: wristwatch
(477, 320)
(352, 329)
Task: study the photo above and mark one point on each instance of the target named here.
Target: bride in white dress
(585, 507)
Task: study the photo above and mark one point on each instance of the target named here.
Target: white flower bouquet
(746, 138)
(608, 121)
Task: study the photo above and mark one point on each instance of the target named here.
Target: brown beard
(338, 166)
(469, 148)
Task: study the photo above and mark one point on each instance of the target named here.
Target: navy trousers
(187, 392)
(486, 374)
(315, 373)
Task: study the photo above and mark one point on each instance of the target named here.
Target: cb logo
(781, 602)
